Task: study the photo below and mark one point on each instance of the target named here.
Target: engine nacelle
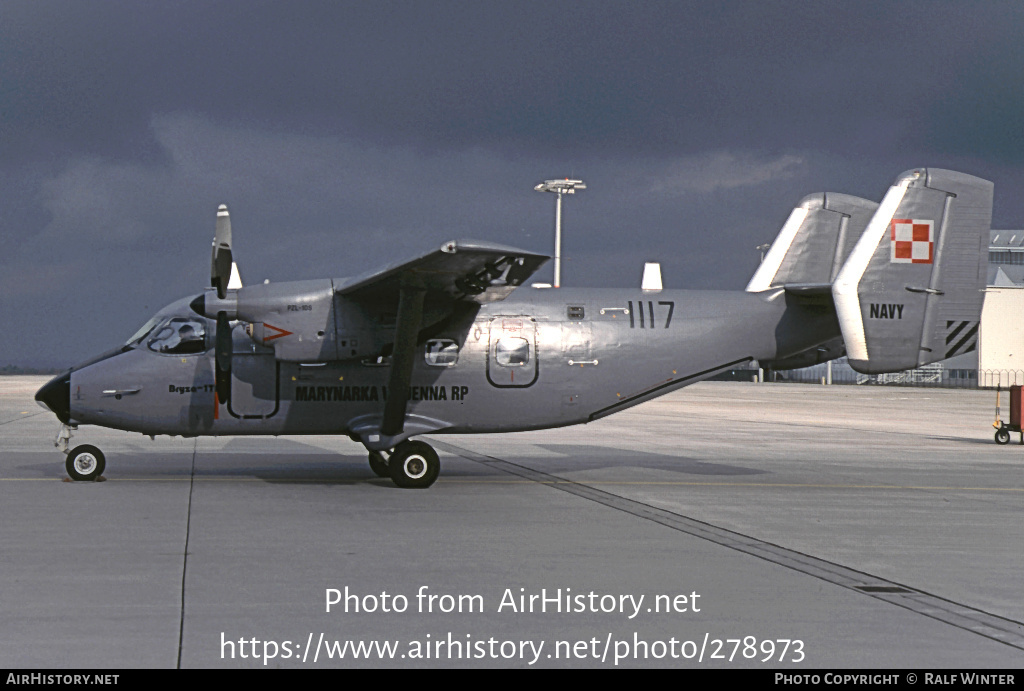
(296, 319)
(305, 321)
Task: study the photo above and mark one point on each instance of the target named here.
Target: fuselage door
(255, 388)
(512, 352)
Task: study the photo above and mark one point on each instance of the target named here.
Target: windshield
(141, 333)
(179, 336)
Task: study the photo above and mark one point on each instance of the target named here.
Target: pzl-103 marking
(457, 320)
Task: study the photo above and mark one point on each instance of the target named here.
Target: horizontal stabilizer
(911, 291)
(829, 350)
(809, 289)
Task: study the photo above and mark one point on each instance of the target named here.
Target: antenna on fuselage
(652, 276)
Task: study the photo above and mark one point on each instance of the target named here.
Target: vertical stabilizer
(911, 291)
(814, 242)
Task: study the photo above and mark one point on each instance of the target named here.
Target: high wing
(424, 290)
(460, 269)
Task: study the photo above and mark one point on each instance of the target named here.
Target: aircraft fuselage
(542, 358)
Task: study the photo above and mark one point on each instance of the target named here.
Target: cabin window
(180, 336)
(512, 351)
(441, 352)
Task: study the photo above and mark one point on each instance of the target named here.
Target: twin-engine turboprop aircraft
(450, 341)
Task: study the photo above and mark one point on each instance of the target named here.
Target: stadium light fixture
(559, 187)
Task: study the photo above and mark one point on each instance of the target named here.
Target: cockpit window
(143, 332)
(179, 336)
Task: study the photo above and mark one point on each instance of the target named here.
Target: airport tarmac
(843, 527)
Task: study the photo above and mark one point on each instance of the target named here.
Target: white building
(1001, 336)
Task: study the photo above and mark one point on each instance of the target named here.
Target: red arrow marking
(279, 334)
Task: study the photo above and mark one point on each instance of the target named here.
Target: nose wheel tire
(414, 465)
(379, 465)
(1002, 436)
(85, 463)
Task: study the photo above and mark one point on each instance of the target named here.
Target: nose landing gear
(85, 463)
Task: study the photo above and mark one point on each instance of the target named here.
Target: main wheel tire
(85, 463)
(1002, 436)
(414, 465)
(379, 465)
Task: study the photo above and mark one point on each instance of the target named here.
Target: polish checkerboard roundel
(912, 241)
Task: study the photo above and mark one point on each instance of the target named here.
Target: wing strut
(410, 315)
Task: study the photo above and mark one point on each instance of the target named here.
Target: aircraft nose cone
(56, 395)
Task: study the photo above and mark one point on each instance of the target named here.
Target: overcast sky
(344, 135)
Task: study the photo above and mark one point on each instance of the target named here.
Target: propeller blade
(222, 357)
(220, 263)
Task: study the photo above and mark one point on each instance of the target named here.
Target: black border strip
(603, 412)
(951, 335)
(277, 399)
(970, 334)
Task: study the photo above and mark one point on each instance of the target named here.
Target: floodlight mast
(559, 187)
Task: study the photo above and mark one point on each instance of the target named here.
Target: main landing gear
(412, 465)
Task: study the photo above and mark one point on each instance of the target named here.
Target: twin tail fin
(906, 277)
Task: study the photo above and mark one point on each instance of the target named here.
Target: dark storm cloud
(977, 119)
(525, 74)
(344, 135)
